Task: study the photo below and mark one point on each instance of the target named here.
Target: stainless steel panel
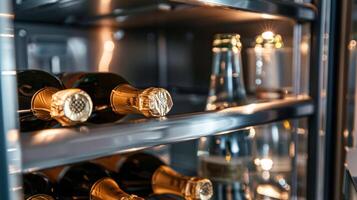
(10, 153)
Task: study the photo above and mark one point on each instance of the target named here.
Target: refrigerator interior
(166, 44)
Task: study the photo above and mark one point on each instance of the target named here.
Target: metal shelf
(128, 13)
(53, 147)
(297, 11)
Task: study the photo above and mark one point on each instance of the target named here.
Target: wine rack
(53, 147)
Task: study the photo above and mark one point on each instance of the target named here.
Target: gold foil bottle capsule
(167, 181)
(108, 189)
(69, 106)
(150, 102)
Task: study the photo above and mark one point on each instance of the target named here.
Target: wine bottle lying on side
(144, 174)
(113, 97)
(37, 187)
(44, 103)
(92, 182)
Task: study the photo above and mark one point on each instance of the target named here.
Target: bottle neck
(167, 181)
(41, 103)
(150, 102)
(108, 189)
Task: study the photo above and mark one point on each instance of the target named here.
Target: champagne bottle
(144, 174)
(90, 181)
(113, 97)
(43, 101)
(37, 187)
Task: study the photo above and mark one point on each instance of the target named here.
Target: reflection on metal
(54, 147)
(352, 45)
(6, 35)
(104, 6)
(294, 10)
(7, 15)
(108, 49)
(10, 154)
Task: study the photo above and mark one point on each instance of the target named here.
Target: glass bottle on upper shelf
(271, 78)
(113, 97)
(269, 67)
(44, 103)
(226, 159)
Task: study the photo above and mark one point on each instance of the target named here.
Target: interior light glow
(268, 35)
(7, 15)
(266, 164)
(6, 35)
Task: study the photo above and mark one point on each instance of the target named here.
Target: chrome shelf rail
(297, 11)
(86, 12)
(53, 147)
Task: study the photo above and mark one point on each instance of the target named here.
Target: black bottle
(92, 182)
(38, 187)
(144, 174)
(44, 103)
(113, 97)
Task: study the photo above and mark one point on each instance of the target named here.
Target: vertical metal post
(296, 69)
(10, 158)
(336, 97)
(318, 89)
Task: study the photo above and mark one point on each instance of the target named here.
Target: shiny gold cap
(108, 189)
(151, 102)
(155, 102)
(71, 106)
(68, 106)
(40, 197)
(201, 189)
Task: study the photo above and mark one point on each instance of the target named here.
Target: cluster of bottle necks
(139, 176)
(47, 101)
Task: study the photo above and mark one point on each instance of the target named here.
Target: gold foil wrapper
(68, 106)
(108, 189)
(151, 102)
(167, 181)
(40, 197)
